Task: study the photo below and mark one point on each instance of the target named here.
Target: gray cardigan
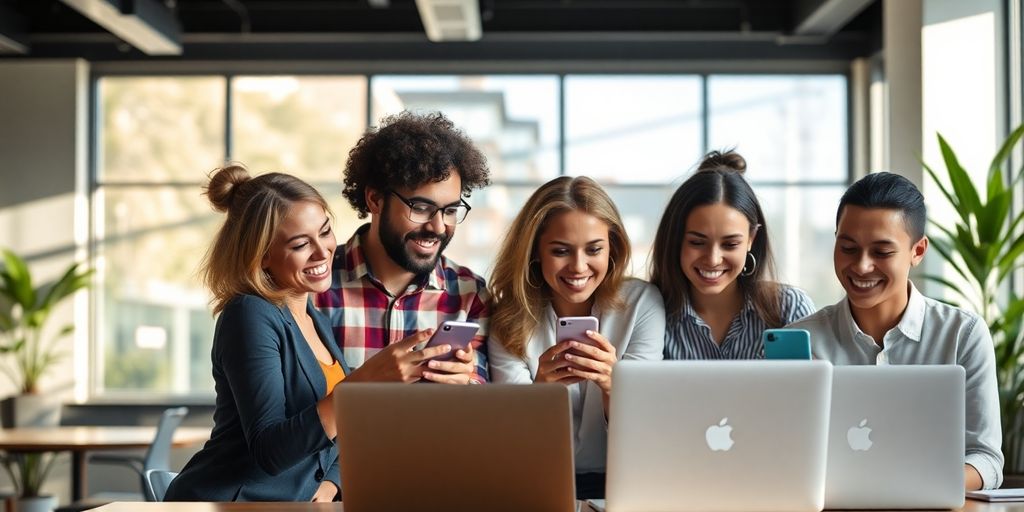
(267, 442)
(637, 331)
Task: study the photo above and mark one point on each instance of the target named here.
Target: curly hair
(409, 150)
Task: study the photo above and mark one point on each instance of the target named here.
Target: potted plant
(984, 249)
(24, 313)
(28, 471)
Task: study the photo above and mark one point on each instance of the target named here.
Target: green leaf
(992, 218)
(972, 255)
(17, 280)
(67, 285)
(1004, 151)
(961, 181)
(996, 185)
(944, 248)
(1008, 261)
(949, 196)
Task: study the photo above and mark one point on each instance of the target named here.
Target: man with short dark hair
(884, 319)
(392, 286)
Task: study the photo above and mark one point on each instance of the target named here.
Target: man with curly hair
(392, 285)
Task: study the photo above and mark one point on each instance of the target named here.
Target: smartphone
(786, 344)
(456, 334)
(575, 328)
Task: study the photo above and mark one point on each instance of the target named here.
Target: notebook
(997, 495)
(897, 437)
(455, 448)
(718, 436)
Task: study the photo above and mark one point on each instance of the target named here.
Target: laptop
(718, 436)
(455, 448)
(896, 438)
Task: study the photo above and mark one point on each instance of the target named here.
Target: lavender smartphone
(575, 328)
(456, 334)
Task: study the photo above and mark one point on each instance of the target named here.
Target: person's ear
(753, 236)
(918, 250)
(375, 200)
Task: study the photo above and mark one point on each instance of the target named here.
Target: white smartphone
(457, 334)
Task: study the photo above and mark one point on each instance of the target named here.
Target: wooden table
(970, 506)
(79, 440)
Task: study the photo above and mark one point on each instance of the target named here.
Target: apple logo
(858, 436)
(719, 437)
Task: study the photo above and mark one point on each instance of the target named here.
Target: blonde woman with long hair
(275, 362)
(567, 254)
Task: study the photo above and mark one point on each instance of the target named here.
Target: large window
(639, 135)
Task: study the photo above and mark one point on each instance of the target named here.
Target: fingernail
(589, 332)
(433, 364)
(569, 357)
(574, 344)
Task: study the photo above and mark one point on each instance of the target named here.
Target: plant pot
(35, 504)
(41, 410)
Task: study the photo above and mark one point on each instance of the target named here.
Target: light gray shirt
(930, 332)
(637, 331)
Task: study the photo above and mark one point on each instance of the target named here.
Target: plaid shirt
(365, 317)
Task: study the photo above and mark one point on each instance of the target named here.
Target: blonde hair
(255, 208)
(516, 299)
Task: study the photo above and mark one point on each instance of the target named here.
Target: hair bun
(723, 161)
(223, 185)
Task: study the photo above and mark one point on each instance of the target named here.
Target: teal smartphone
(786, 344)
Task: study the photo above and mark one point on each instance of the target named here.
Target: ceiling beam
(13, 31)
(145, 24)
(826, 17)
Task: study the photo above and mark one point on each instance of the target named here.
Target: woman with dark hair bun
(275, 363)
(713, 263)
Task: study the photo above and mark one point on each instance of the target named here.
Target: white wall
(43, 211)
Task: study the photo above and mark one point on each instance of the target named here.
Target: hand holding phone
(786, 344)
(457, 334)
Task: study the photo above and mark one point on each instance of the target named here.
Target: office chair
(157, 482)
(157, 457)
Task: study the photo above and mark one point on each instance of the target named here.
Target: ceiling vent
(450, 20)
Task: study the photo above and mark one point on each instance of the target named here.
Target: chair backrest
(157, 481)
(158, 456)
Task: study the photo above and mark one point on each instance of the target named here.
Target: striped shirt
(365, 317)
(688, 337)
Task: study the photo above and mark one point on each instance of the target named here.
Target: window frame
(703, 70)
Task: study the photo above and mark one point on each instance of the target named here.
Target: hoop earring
(753, 265)
(529, 270)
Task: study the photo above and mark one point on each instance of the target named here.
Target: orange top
(333, 373)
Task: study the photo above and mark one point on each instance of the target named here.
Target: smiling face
(715, 247)
(415, 246)
(873, 256)
(574, 253)
(300, 254)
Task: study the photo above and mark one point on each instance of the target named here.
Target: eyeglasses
(423, 212)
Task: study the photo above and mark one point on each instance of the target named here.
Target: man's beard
(395, 246)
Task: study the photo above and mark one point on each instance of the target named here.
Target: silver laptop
(455, 448)
(718, 436)
(896, 438)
